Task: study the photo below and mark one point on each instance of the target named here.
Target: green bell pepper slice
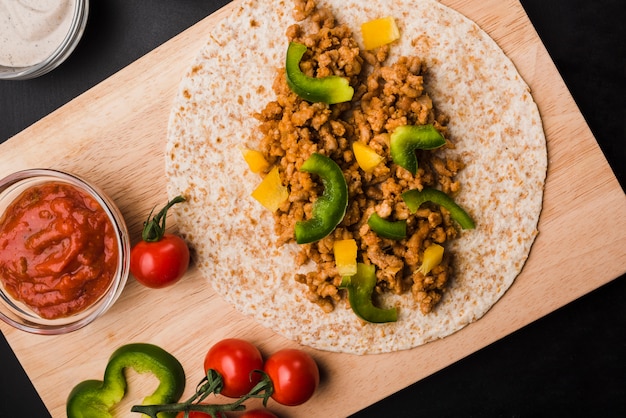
(360, 288)
(95, 398)
(331, 89)
(387, 229)
(406, 139)
(329, 208)
(414, 199)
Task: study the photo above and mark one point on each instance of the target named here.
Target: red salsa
(58, 250)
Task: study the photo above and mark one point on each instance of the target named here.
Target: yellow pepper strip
(379, 32)
(366, 157)
(345, 256)
(255, 159)
(432, 258)
(270, 192)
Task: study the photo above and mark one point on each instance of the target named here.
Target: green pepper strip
(95, 398)
(386, 228)
(330, 208)
(360, 288)
(331, 89)
(415, 198)
(406, 139)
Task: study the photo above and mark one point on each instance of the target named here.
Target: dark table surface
(569, 363)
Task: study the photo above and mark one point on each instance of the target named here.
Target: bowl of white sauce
(36, 36)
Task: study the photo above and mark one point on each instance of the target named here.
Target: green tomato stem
(211, 383)
(154, 228)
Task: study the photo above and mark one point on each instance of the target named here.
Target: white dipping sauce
(30, 30)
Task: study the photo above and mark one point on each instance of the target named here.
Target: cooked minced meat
(386, 96)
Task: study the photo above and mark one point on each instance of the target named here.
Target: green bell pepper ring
(414, 199)
(387, 229)
(95, 398)
(360, 288)
(331, 89)
(329, 208)
(406, 139)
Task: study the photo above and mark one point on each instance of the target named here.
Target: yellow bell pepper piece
(345, 256)
(255, 159)
(432, 258)
(270, 192)
(379, 32)
(366, 157)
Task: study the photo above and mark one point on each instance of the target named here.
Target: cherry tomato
(235, 360)
(259, 413)
(159, 259)
(161, 263)
(295, 376)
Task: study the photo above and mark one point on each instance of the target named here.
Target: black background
(569, 363)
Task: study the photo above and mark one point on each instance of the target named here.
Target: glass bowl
(77, 22)
(22, 316)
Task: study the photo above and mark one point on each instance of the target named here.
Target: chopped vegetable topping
(256, 161)
(379, 32)
(387, 229)
(271, 193)
(366, 157)
(331, 89)
(360, 288)
(390, 98)
(330, 208)
(406, 139)
(432, 258)
(415, 198)
(345, 256)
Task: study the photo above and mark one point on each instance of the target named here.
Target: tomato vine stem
(154, 228)
(211, 383)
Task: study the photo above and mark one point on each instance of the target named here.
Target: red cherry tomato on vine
(295, 376)
(160, 259)
(258, 413)
(235, 360)
(161, 263)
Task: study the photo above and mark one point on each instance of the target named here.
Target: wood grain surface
(115, 134)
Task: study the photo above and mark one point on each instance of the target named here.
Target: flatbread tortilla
(495, 125)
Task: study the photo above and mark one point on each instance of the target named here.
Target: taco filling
(368, 183)
(391, 116)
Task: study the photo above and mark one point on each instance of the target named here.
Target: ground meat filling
(386, 96)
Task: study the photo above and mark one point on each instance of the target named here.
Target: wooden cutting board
(115, 134)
